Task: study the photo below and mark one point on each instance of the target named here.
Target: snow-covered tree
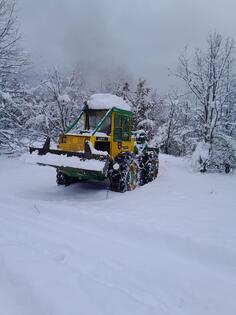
(62, 99)
(17, 111)
(12, 59)
(143, 109)
(11, 56)
(173, 124)
(210, 80)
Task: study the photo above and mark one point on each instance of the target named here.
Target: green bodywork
(73, 172)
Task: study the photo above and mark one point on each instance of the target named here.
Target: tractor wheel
(144, 172)
(154, 169)
(63, 179)
(148, 169)
(132, 177)
(60, 178)
(123, 175)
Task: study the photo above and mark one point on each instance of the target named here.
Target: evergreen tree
(142, 108)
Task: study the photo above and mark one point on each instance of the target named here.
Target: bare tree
(64, 97)
(174, 129)
(11, 57)
(210, 80)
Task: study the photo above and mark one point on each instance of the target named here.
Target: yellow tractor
(100, 144)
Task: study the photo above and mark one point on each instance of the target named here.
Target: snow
(6, 96)
(201, 153)
(64, 98)
(166, 248)
(146, 122)
(89, 134)
(107, 101)
(65, 161)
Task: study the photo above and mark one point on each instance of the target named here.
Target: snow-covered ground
(166, 248)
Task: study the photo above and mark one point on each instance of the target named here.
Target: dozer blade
(86, 164)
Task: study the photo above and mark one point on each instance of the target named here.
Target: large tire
(132, 178)
(155, 168)
(63, 179)
(148, 168)
(60, 178)
(123, 177)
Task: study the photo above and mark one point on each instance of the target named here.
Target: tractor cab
(107, 128)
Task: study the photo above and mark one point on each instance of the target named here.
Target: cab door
(122, 141)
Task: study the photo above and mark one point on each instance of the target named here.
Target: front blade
(81, 162)
(89, 163)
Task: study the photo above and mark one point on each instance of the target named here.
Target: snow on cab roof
(106, 101)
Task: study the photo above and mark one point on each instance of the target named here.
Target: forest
(196, 120)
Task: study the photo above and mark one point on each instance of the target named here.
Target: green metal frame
(114, 109)
(122, 112)
(102, 121)
(74, 123)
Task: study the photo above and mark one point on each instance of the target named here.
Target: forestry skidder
(99, 144)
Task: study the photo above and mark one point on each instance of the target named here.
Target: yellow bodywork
(75, 143)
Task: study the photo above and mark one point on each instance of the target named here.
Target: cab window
(122, 128)
(118, 128)
(126, 128)
(93, 119)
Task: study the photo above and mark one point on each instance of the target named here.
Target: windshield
(93, 119)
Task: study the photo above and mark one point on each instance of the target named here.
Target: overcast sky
(144, 37)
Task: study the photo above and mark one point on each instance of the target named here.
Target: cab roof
(106, 101)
